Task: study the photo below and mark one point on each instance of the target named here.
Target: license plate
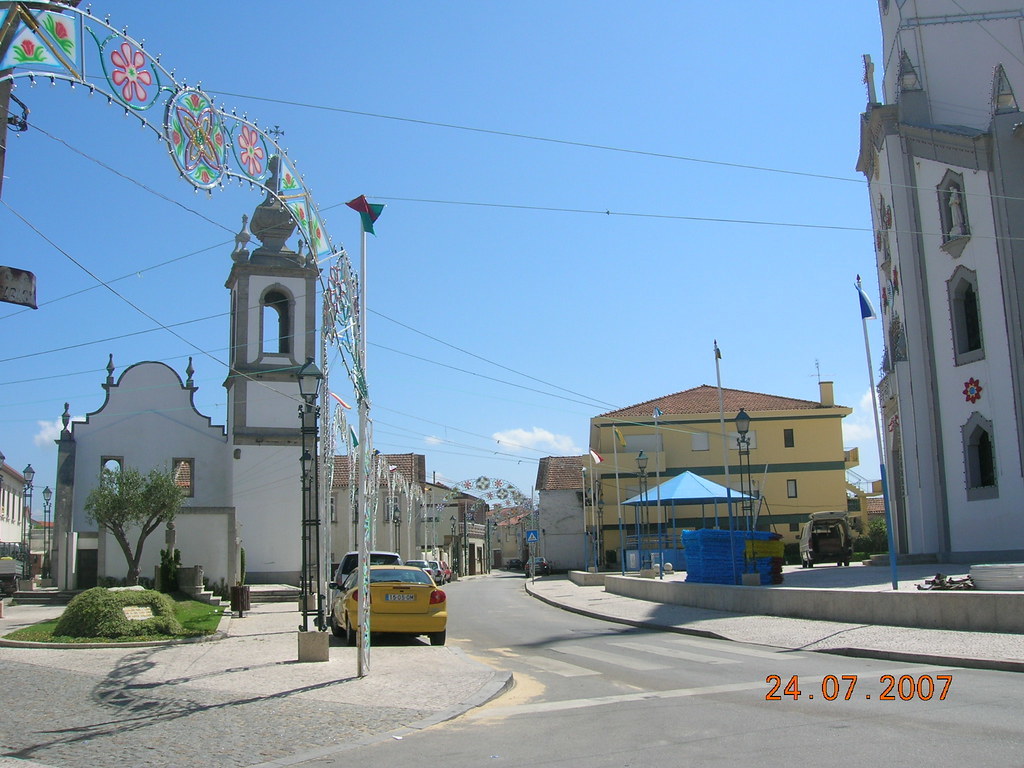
(399, 597)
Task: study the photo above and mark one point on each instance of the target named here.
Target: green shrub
(98, 612)
(170, 564)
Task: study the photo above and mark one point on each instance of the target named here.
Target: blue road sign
(532, 537)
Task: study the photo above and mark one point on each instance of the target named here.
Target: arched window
(979, 459)
(965, 316)
(277, 325)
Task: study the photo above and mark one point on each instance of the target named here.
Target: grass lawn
(197, 618)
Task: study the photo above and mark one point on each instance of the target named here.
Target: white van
(826, 538)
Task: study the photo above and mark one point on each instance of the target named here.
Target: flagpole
(618, 503)
(657, 478)
(364, 527)
(868, 312)
(725, 455)
(586, 545)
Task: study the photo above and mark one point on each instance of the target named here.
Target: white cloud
(47, 433)
(538, 439)
(859, 432)
(431, 440)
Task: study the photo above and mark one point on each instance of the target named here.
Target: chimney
(828, 398)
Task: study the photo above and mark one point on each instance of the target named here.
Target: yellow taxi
(403, 599)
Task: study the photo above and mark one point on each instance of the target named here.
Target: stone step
(278, 595)
(43, 596)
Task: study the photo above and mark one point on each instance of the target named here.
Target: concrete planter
(314, 646)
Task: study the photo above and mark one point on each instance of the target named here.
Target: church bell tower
(273, 333)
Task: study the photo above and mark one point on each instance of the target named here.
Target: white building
(242, 480)
(943, 152)
(12, 510)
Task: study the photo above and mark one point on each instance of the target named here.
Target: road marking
(637, 665)
(726, 646)
(563, 668)
(678, 693)
(674, 653)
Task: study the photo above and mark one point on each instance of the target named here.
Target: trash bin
(240, 599)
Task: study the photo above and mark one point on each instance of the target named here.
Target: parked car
(403, 599)
(513, 564)
(538, 566)
(426, 566)
(348, 563)
(444, 573)
(826, 538)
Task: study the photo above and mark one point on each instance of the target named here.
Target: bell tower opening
(277, 323)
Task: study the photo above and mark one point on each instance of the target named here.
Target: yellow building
(792, 462)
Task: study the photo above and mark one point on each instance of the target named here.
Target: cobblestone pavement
(240, 701)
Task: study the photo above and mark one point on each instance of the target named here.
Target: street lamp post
(466, 517)
(26, 520)
(641, 465)
(47, 497)
(743, 446)
(309, 378)
(455, 546)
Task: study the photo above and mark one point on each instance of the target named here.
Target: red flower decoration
(972, 390)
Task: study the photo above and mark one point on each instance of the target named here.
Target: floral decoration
(250, 151)
(60, 30)
(29, 51)
(129, 73)
(196, 133)
(972, 390)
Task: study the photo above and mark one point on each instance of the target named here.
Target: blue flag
(867, 312)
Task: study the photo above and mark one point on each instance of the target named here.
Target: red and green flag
(368, 212)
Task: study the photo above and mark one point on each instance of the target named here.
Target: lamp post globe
(742, 423)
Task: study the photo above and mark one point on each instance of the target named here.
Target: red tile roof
(704, 399)
(560, 473)
(411, 466)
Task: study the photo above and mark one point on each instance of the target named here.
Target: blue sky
(581, 197)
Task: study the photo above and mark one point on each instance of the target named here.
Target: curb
(1000, 665)
(631, 622)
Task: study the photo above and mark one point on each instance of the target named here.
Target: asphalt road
(591, 693)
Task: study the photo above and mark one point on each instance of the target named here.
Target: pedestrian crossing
(642, 654)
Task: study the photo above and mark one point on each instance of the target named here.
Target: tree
(879, 534)
(126, 500)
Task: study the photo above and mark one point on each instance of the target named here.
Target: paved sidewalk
(982, 650)
(240, 701)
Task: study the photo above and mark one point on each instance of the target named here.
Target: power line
(546, 139)
(484, 359)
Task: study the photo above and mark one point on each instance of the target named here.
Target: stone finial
(272, 223)
(110, 370)
(188, 372)
(65, 419)
(241, 253)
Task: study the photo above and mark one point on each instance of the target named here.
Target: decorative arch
(208, 145)
(494, 491)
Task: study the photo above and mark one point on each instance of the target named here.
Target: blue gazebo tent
(688, 488)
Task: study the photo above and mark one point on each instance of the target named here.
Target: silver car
(434, 573)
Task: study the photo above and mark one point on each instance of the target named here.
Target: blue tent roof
(686, 488)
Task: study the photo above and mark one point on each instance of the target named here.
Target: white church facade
(242, 479)
(943, 153)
